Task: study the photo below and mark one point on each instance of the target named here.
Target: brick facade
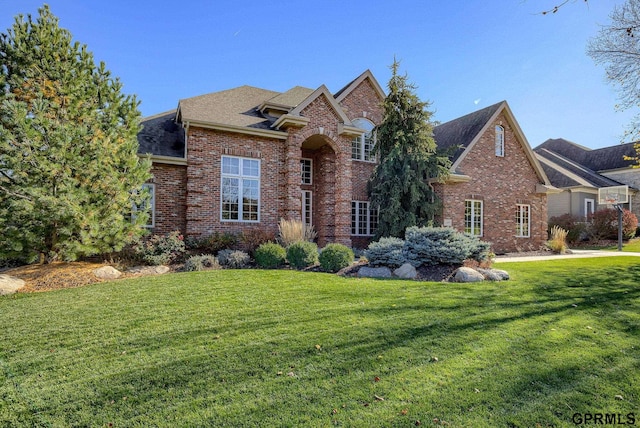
(501, 183)
(188, 197)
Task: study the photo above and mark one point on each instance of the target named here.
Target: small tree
(69, 170)
(408, 161)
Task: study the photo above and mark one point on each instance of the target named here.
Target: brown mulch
(55, 276)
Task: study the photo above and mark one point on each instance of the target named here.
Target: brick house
(242, 159)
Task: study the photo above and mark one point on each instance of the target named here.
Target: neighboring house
(242, 159)
(497, 189)
(579, 172)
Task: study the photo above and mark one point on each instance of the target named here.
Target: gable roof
(464, 132)
(564, 172)
(342, 93)
(603, 159)
(161, 136)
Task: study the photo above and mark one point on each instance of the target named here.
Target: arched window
(499, 141)
(362, 145)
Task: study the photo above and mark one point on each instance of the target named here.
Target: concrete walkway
(575, 254)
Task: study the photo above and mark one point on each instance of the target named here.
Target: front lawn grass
(285, 348)
(632, 245)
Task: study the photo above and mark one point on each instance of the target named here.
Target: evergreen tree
(69, 170)
(408, 161)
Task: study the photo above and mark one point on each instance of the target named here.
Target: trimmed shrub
(291, 231)
(575, 227)
(203, 262)
(270, 255)
(604, 224)
(334, 257)
(442, 245)
(386, 252)
(233, 259)
(302, 254)
(214, 242)
(160, 249)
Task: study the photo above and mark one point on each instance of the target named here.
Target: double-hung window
(364, 218)
(473, 217)
(240, 190)
(499, 141)
(523, 221)
(362, 145)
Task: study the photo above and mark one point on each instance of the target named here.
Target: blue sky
(461, 54)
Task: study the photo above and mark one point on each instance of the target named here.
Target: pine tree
(408, 161)
(69, 170)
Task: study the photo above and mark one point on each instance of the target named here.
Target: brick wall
(501, 183)
(170, 197)
(203, 207)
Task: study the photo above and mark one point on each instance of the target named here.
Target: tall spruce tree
(408, 161)
(68, 148)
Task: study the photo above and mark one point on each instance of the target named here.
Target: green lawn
(285, 348)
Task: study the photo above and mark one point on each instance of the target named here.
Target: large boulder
(406, 271)
(374, 272)
(149, 270)
(494, 274)
(107, 272)
(466, 274)
(9, 284)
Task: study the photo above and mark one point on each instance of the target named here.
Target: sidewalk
(575, 254)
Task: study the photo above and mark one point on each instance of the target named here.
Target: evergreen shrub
(442, 245)
(302, 254)
(270, 255)
(334, 257)
(386, 252)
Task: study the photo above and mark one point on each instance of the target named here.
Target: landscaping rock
(149, 270)
(465, 274)
(107, 272)
(494, 274)
(377, 272)
(9, 284)
(406, 271)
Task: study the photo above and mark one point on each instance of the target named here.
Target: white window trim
(586, 207)
(361, 140)
(304, 212)
(474, 215)
(368, 231)
(241, 177)
(527, 209)
(499, 141)
(302, 160)
(152, 210)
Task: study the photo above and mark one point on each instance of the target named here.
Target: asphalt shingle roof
(161, 136)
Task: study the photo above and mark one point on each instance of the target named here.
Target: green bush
(270, 255)
(203, 262)
(160, 249)
(302, 254)
(442, 245)
(233, 259)
(334, 257)
(385, 252)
